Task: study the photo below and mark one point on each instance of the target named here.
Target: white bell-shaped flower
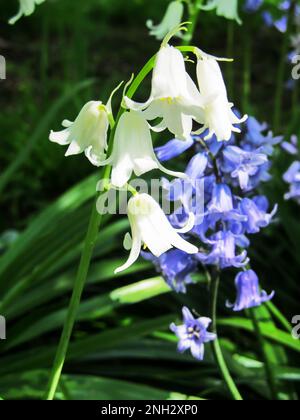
(174, 96)
(219, 117)
(26, 9)
(88, 133)
(151, 228)
(171, 19)
(226, 8)
(133, 150)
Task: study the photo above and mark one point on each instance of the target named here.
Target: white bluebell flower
(88, 133)
(133, 150)
(171, 19)
(226, 8)
(27, 7)
(151, 228)
(219, 118)
(174, 96)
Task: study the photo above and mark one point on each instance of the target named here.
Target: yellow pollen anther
(168, 99)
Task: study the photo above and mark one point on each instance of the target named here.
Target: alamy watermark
(296, 68)
(2, 328)
(296, 329)
(2, 68)
(177, 198)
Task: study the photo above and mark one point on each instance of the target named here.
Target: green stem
(268, 367)
(84, 265)
(194, 10)
(89, 243)
(215, 281)
(281, 70)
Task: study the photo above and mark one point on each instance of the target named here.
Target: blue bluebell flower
(242, 164)
(279, 24)
(196, 167)
(255, 139)
(221, 201)
(256, 212)
(223, 251)
(268, 18)
(285, 6)
(221, 206)
(293, 173)
(292, 177)
(252, 5)
(185, 191)
(173, 148)
(291, 147)
(193, 334)
(226, 218)
(175, 267)
(248, 292)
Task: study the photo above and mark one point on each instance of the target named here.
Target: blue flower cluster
(292, 175)
(281, 22)
(221, 193)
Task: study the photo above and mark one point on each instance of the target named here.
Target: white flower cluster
(179, 103)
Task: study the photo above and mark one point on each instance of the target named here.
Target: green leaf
(89, 309)
(270, 332)
(84, 387)
(39, 132)
(108, 339)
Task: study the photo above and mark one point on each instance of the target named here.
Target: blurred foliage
(69, 52)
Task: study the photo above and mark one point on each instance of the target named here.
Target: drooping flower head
(219, 118)
(223, 252)
(26, 9)
(133, 150)
(193, 334)
(226, 8)
(88, 133)
(174, 97)
(248, 292)
(171, 19)
(151, 228)
(175, 266)
(256, 212)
